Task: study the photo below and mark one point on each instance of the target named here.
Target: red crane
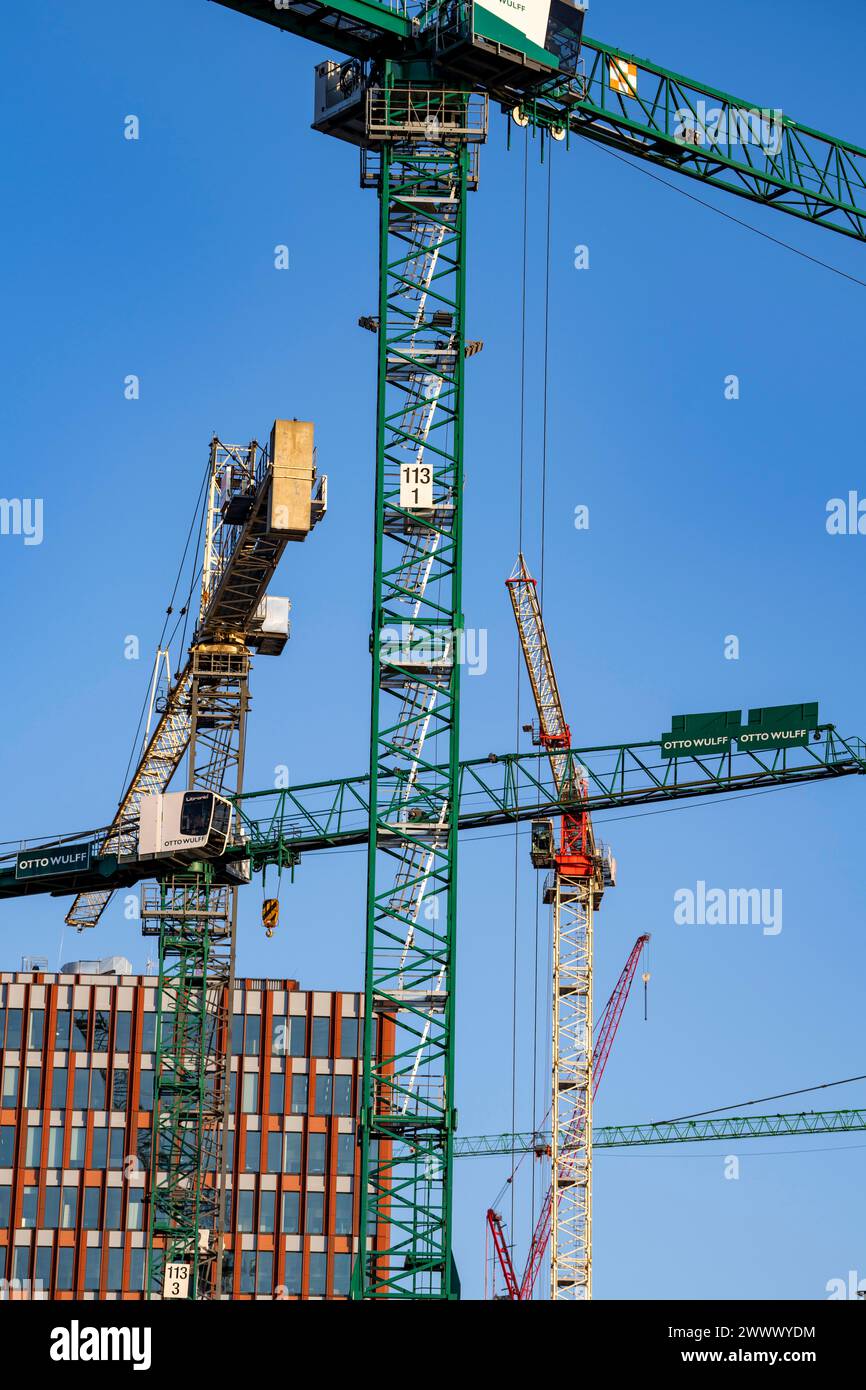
(607, 1030)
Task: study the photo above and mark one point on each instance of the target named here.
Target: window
(42, 1279)
(248, 1271)
(316, 1153)
(91, 1268)
(55, 1146)
(76, 1146)
(59, 1081)
(99, 1149)
(348, 1037)
(101, 1020)
(279, 1035)
(135, 1209)
(80, 1021)
(297, 1035)
(294, 1272)
(315, 1219)
(245, 1211)
(116, 1147)
(62, 1026)
(237, 1034)
(321, 1045)
(29, 1199)
(291, 1218)
(292, 1152)
(253, 1035)
(250, 1093)
(324, 1089)
(143, 1147)
(5, 1198)
(51, 1211)
(33, 1147)
(98, 1087)
(300, 1085)
(277, 1093)
(113, 1208)
(21, 1262)
(123, 1031)
(254, 1151)
(64, 1268)
(342, 1275)
(342, 1095)
(10, 1087)
(145, 1090)
(68, 1208)
(265, 1272)
(343, 1214)
(114, 1277)
(148, 1032)
(90, 1218)
(137, 1259)
(36, 1029)
(80, 1088)
(7, 1145)
(119, 1088)
(275, 1151)
(318, 1275)
(345, 1154)
(267, 1212)
(13, 1030)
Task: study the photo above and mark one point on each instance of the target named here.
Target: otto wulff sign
(49, 860)
(765, 730)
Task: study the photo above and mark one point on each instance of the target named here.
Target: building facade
(77, 1066)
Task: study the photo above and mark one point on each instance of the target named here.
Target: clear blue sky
(706, 518)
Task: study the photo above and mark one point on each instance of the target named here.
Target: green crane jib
(278, 827)
(672, 1132)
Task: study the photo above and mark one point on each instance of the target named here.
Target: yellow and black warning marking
(270, 914)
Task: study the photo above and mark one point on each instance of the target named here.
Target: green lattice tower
(193, 920)
(408, 1114)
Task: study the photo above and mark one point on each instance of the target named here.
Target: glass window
(113, 1205)
(267, 1212)
(29, 1198)
(279, 1035)
(342, 1095)
(114, 1277)
(275, 1151)
(315, 1220)
(21, 1262)
(135, 1209)
(345, 1154)
(123, 1031)
(101, 1019)
(324, 1089)
(348, 1037)
(69, 1208)
(80, 1088)
(318, 1275)
(250, 1095)
(10, 1086)
(342, 1275)
(297, 1035)
(59, 1081)
(98, 1086)
(148, 1031)
(51, 1209)
(254, 1151)
(253, 1035)
(62, 1025)
(343, 1214)
(294, 1272)
(265, 1272)
(299, 1093)
(7, 1145)
(292, 1153)
(237, 1034)
(13, 1030)
(248, 1271)
(316, 1152)
(119, 1088)
(77, 1137)
(36, 1029)
(91, 1268)
(245, 1211)
(42, 1279)
(137, 1259)
(142, 1149)
(65, 1256)
(90, 1218)
(116, 1147)
(80, 1020)
(99, 1149)
(321, 1045)
(291, 1213)
(33, 1147)
(5, 1198)
(55, 1146)
(145, 1090)
(277, 1093)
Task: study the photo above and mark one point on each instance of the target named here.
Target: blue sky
(707, 518)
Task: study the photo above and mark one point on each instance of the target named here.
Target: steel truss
(407, 1117)
(571, 1115)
